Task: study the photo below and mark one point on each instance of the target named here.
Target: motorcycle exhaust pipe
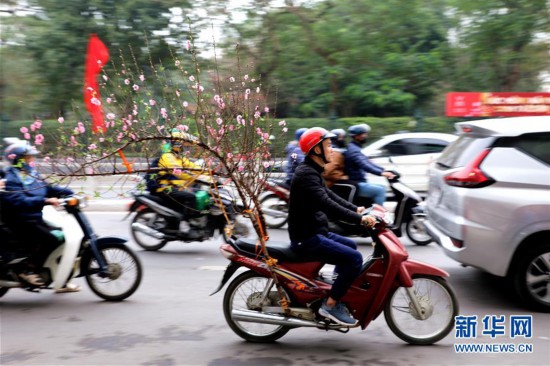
(273, 319)
(147, 230)
(274, 213)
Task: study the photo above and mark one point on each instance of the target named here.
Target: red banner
(97, 56)
(497, 104)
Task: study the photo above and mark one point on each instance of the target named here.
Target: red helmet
(312, 137)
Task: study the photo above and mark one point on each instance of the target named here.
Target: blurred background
(322, 62)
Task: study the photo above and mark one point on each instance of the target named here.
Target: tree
(500, 45)
(57, 35)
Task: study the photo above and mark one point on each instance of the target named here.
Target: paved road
(172, 320)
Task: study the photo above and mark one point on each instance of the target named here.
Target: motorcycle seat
(280, 250)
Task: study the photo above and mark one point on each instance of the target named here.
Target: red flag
(97, 55)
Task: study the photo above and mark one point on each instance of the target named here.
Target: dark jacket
(294, 157)
(357, 164)
(24, 201)
(311, 203)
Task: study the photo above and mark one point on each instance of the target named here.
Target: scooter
(111, 269)
(262, 305)
(409, 212)
(156, 223)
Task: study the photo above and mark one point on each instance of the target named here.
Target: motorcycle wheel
(272, 202)
(439, 306)
(124, 273)
(242, 294)
(417, 233)
(153, 220)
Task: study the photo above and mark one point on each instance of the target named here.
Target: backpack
(151, 177)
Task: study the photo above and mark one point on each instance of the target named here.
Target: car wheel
(531, 277)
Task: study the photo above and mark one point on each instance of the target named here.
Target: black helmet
(358, 129)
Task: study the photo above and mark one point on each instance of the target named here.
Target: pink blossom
(38, 139)
(135, 87)
(46, 159)
(105, 77)
(219, 121)
(266, 164)
(265, 136)
(185, 104)
(69, 160)
(240, 168)
(142, 78)
(176, 171)
(101, 139)
(27, 136)
(246, 93)
(73, 141)
(257, 115)
(127, 81)
(37, 124)
(231, 127)
(216, 98)
(152, 102)
(110, 116)
(285, 130)
(246, 77)
(257, 89)
(191, 78)
(178, 93)
(229, 156)
(240, 119)
(282, 123)
(24, 130)
(163, 113)
(109, 100)
(81, 127)
(92, 147)
(183, 128)
(187, 45)
(177, 63)
(95, 101)
(232, 79)
(61, 120)
(266, 109)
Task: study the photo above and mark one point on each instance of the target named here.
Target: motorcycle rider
(334, 171)
(357, 165)
(294, 155)
(176, 175)
(25, 196)
(311, 201)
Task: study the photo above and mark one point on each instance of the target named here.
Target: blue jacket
(294, 157)
(24, 198)
(356, 164)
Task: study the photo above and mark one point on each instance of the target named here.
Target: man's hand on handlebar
(361, 209)
(54, 201)
(368, 220)
(388, 174)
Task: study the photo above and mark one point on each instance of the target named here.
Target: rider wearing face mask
(310, 205)
(25, 196)
(177, 173)
(357, 165)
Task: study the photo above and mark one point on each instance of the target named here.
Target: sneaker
(69, 287)
(337, 314)
(32, 278)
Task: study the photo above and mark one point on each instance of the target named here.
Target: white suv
(408, 153)
(489, 202)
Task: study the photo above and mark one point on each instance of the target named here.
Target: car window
(462, 151)
(534, 144)
(415, 146)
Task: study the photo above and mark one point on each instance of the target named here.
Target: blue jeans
(370, 190)
(337, 250)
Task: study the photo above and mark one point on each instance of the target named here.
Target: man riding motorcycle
(25, 196)
(176, 174)
(357, 165)
(311, 204)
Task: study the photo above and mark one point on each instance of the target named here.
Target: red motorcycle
(262, 306)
